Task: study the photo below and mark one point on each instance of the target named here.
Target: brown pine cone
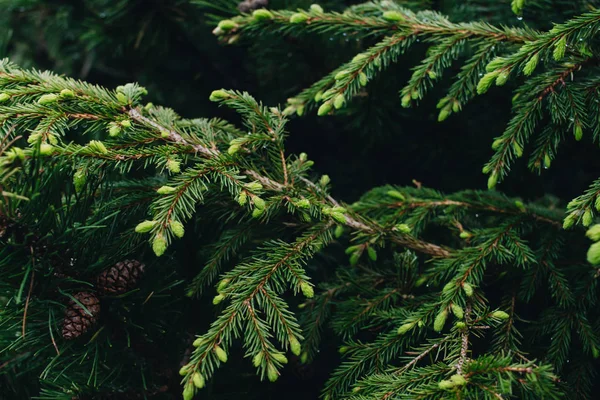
(260, 4)
(120, 278)
(77, 321)
(245, 7)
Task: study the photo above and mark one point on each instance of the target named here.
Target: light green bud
(519, 204)
(242, 198)
(121, 98)
(392, 16)
(174, 166)
(500, 315)
(272, 373)
(295, 346)
(517, 149)
(114, 130)
(254, 186)
(362, 79)
(258, 203)
(440, 320)
(307, 290)
(339, 101)
(177, 228)
(221, 354)
(97, 146)
(218, 299)
(46, 149)
(559, 48)
(183, 371)
(406, 100)
(218, 95)
(304, 357)
(547, 161)
(569, 221)
(198, 380)
(594, 233)
(223, 285)
(339, 217)
(262, 14)
(468, 289)
(298, 18)
(588, 218)
(486, 81)
(502, 78)
(233, 149)
(159, 245)
(593, 254)
(449, 287)
(457, 311)
(48, 99)
(324, 109)
(404, 228)
(341, 75)
(458, 380)
(257, 359)
(446, 385)
(188, 392)
(166, 190)
(372, 253)
(67, 94)
(227, 25)
(396, 194)
(405, 328)
(280, 357)
(531, 64)
(145, 226)
(492, 180)
(444, 114)
(465, 235)
(578, 131)
(317, 9)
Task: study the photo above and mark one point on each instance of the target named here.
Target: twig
(464, 348)
(285, 175)
(402, 239)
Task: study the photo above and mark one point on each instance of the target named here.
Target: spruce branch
(419, 315)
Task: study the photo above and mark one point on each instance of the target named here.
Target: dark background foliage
(167, 46)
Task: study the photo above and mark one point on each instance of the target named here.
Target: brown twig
(402, 239)
(464, 348)
(285, 174)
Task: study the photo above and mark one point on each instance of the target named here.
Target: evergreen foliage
(427, 295)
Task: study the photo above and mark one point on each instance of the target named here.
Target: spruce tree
(149, 255)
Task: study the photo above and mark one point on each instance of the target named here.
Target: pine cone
(77, 321)
(260, 4)
(120, 278)
(247, 6)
